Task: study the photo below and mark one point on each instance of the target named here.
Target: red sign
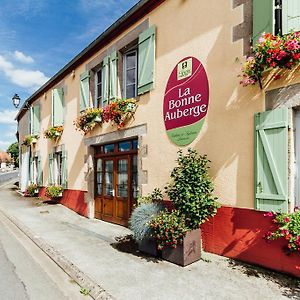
(186, 101)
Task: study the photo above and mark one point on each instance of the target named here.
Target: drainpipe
(278, 17)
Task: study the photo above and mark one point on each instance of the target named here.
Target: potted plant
(191, 191)
(54, 192)
(54, 132)
(30, 140)
(88, 119)
(287, 226)
(32, 190)
(148, 207)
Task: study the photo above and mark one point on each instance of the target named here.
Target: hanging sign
(186, 101)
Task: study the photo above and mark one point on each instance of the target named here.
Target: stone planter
(186, 253)
(148, 246)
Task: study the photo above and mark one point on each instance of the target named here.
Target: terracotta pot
(148, 246)
(186, 253)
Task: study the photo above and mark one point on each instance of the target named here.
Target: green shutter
(39, 171)
(84, 90)
(58, 107)
(51, 165)
(30, 120)
(290, 15)
(146, 60)
(263, 11)
(271, 160)
(113, 75)
(105, 80)
(64, 169)
(35, 119)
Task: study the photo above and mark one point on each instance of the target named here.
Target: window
(36, 176)
(35, 119)
(58, 107)
(98, 88)
(57, 168)
(275, 16)
(130, 74)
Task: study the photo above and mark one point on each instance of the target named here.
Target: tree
(13, 150)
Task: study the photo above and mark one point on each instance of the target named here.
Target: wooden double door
(116, 185)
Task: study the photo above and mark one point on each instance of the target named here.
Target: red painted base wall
(72, 199)
(238, 233)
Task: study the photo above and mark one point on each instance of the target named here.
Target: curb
(95, 290)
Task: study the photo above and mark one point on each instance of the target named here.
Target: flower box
(187, 252)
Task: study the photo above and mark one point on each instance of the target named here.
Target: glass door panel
(109, 178)
(134, 177)
(99, 176)
(122, 184)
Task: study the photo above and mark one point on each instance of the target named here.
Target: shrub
(54, 191)
(191, 189)
(141, 218)
(169, 229)
(31, 190)
(30, 140)
(155, 196)
(287, 227)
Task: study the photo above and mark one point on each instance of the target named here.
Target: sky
(38, 38)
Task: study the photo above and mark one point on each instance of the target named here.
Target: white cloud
(25, 78)
(20, 56)
(7, 116)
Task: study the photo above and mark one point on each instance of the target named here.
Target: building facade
(138, 57)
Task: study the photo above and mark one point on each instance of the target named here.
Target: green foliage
(169, 229)
(30, 140)
(288, 227)
(155, 196)
(13, 150)
(191, 189)
(54, 191)
(54, 132)
(141, 218)
(31, 190)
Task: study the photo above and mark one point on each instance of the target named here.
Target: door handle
(113, 192)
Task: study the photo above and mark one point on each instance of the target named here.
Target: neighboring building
(103, 171)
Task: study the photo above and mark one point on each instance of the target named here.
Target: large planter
(187, 252)
(148, 246)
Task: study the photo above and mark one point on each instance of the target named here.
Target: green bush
(31, 190)
(154, 197)
(191, 189)
(141, 218)
(54, 191)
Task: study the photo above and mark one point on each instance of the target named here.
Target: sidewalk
(87, 250)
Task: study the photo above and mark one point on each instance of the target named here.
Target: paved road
(28, 273)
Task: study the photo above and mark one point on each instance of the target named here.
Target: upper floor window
(98, 88)
(275, 16)
(130, 74)
(58, 107)
(35, 119)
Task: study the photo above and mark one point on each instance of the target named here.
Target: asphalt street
(28, 273)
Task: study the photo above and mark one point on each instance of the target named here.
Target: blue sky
(37, 38)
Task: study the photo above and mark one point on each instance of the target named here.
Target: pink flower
(286, 219)
(268, 214)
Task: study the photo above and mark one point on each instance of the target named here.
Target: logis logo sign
(186, 101)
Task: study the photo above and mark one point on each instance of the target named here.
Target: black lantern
(16, 100)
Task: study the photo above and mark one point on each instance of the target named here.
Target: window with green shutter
(84, 90)
(58, 107)
(113, 76)
(51, 167)
(290, 15)
(39, 171)
(105, 81)
(271, 160)
(35, 119)
(64, 169)
(275, 16)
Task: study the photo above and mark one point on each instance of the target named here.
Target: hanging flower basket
(271, 52)
(88, 119)
(30, 140)
(53, 133)
(120, 111)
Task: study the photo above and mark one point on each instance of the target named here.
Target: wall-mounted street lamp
(16, 100)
